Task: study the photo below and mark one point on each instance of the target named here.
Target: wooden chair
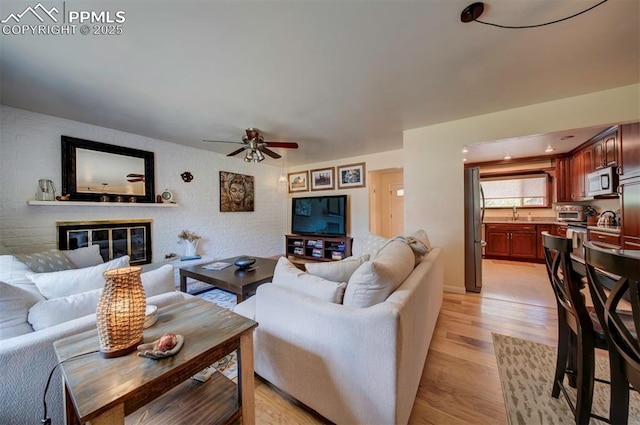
(620, 327)
(579, 332)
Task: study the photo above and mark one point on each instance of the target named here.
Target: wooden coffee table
(232, 279)
(104, 391)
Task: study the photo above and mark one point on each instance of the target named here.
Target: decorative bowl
(150, 316)
(244, 261)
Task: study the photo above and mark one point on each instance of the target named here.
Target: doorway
(386, 202)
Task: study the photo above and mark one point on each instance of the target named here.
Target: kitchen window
(527, 191)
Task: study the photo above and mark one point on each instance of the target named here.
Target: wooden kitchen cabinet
(515, 241)
(563, 179)
(604, 237)
(561, 230)
(630, 213)
(581, 165)
(539, 229)
(605, 150)
(629, 166)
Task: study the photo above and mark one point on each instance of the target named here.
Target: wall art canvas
(299, 182)
(236, 192)
(322, 179)
(351, 176)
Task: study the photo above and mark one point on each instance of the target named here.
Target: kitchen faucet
(515, 213)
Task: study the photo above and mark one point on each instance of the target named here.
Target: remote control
(204, 374)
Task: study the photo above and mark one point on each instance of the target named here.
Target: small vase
(190, 248)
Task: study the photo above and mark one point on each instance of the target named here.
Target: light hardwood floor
(460, 383)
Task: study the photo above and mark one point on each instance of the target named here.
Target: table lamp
(121, 312)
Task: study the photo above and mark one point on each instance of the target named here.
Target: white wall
(358, 199)
(434, 170)
(30, 150)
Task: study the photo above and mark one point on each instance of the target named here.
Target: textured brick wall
(30, 150)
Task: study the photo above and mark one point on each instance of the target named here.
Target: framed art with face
(236, 192)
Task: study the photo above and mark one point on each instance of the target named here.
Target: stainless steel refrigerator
(473, 217)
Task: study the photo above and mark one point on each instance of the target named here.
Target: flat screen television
(319, 215)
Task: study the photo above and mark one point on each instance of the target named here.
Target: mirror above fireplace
(94, 171)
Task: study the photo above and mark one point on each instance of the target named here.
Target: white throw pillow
(14, 271)
(51, 312)
(288, 275)
(75, 281)
(336, 271)
(84, 257)
(375, 280)
(158, 281)
(14, 308)
(46, 261)
(373, 244)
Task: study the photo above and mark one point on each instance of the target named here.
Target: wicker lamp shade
(121, 312)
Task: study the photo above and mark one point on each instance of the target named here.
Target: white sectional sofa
(30, 323)
(355, 358)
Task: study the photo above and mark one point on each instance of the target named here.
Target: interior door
(396, 209)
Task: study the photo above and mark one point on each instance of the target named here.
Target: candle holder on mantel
(121, 312)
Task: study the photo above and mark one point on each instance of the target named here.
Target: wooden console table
(104, 391)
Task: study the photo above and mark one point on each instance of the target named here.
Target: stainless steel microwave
(602, 182)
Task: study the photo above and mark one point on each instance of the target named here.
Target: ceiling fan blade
(236, 152)
(290, 145)
(223, 141)
(141, 176)
(271, 153)
(135, 180)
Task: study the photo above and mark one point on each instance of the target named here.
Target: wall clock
(166, 196)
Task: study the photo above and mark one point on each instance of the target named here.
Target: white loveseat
(353, 365)
(27, 355)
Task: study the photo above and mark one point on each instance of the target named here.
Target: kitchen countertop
(535, 220)
(606, 229)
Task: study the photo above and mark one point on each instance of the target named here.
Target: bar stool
(621, 328)
(579, 332)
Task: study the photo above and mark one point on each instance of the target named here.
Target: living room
(426, 143)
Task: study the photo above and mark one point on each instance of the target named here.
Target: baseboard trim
(454, 289)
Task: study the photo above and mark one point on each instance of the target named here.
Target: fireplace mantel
(97, 204)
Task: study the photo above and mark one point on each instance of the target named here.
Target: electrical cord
(540, 25)
(46, 420)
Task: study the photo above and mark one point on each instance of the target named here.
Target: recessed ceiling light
(465, 150)
(464, 159)
(549, 149)
(567, 137)
(507, 156)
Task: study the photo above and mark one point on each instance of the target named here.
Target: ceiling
(341, 78)
(535, 145)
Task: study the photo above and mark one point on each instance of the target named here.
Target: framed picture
(351, 176)
(236, 192)
(299, 182)
(322, 179)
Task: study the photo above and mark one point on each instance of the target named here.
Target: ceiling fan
(255, 146)
(134, 178)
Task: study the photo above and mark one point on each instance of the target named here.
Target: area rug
(526, 374)
(218, 296)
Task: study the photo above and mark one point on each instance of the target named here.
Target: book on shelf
(316, 253)
(337, 255)
(218, 265)
(298, 251)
